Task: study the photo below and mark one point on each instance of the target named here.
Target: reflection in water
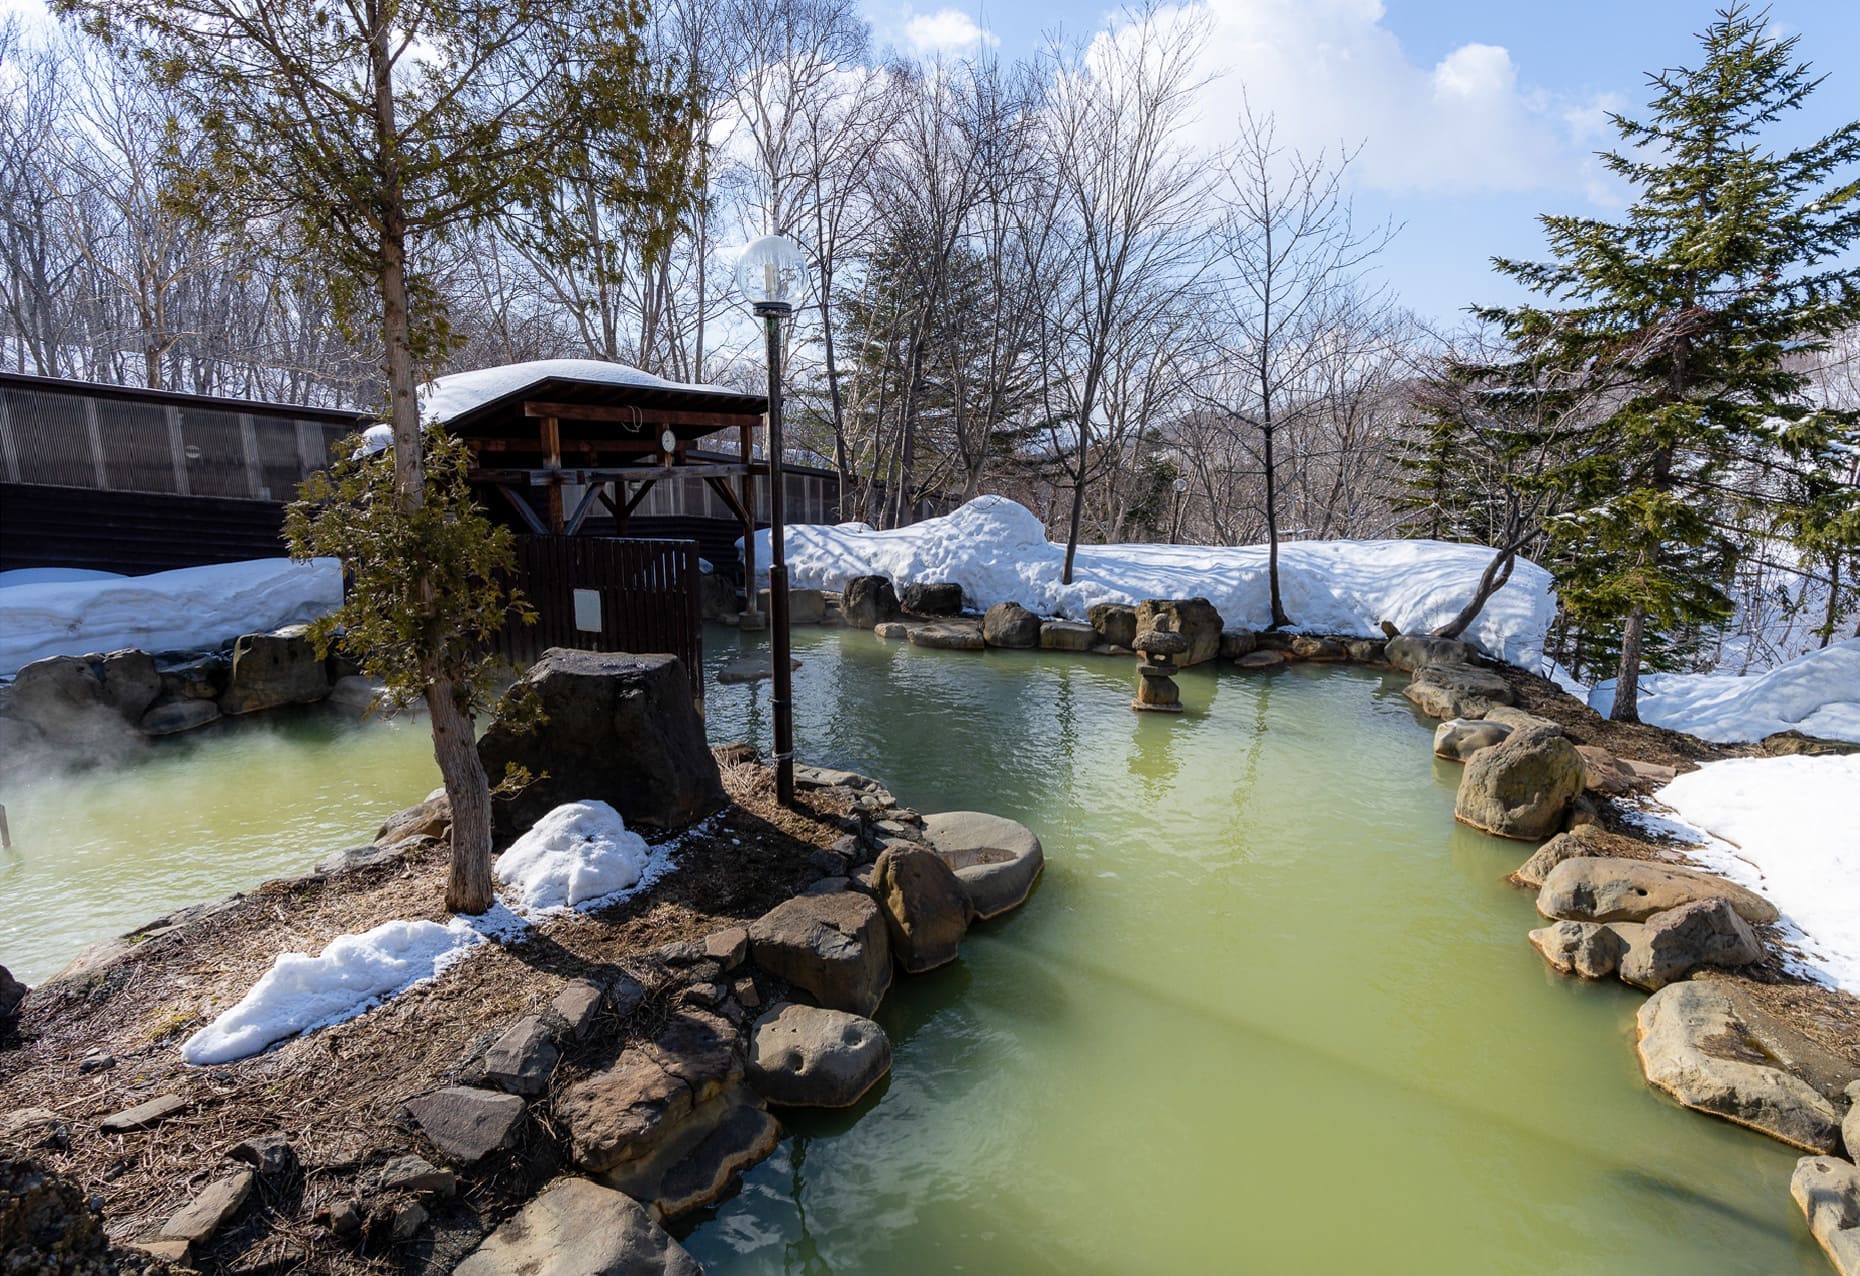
(1269, 1010)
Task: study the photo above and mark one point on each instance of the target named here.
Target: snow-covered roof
(449, 397)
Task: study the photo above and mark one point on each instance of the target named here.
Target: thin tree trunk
(455, 746)
(1834, 598)
(1279, 619)
(1494, 578)
(1627, 673)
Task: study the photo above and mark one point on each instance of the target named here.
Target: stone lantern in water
(1156, 689)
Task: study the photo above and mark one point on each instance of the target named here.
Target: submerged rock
(868, 601)
(802, 1056)
(955, 635)
(172, 717)
(1713, 1049)
(621, 729)
(1010, 625)
(1520, 788)
(1603, 889)
(997, 860)
(1067, 635)
(576, 1227)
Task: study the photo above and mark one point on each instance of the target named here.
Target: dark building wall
(131, 532)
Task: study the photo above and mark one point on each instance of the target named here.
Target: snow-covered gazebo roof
(465, 401)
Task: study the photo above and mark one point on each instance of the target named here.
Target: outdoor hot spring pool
(1270, 1009)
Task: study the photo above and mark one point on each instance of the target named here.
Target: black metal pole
(783, 700)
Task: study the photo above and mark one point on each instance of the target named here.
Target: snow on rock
(998, 552)
(301, 993)
(191, 607)
(1817, 694)
(446, 397)
(577, 855)
(1785, 827)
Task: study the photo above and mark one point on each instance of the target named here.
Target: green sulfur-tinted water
(1269, 1011)
(99, 852)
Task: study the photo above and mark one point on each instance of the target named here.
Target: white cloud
(946, 31)
(1332, 75)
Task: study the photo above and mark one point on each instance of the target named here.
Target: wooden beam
(582, 507)
(522, 507)
(615, 473)
(634, 500)
(722, 489)
(552, 461)
(644, 418)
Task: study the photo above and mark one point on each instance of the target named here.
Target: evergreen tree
(1728, 261)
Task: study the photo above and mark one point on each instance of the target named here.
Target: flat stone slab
(803, 1056)
(521, 1060)
(1713, 1050)
(833, 946)
(1261, 660)
(948, 636)
(416, 1174)
(576, 1227)
(467, 1124)
(201, 1217)
(627, 1112)
(1605, 889)
(749, 669)
(1456, 691)
(144, 1115)
(997, 860)
(577, 1005)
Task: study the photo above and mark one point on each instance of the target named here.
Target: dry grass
(338, 1092)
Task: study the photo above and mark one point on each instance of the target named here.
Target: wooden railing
(604, 593)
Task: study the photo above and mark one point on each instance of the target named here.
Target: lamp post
(1175, 523)
(772, 274)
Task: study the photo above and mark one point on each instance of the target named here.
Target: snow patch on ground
(998, 552)
(353, 973)
(1817, 694)
(1785, 827)
(166, 611)
(579, 853)
(446, 397)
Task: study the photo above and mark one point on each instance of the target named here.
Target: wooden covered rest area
(554, 439)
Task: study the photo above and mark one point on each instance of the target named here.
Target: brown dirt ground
(337, 1093)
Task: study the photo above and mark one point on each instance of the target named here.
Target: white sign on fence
(588, 610)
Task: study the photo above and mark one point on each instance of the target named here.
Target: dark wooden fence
(604, 593)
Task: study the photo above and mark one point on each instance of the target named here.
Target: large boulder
(1457, 739)
(806, 1057)
(805, 606)
(997, 860)
(1236, 643)
(717, 598)
(619, 729)
(1520, 788)
(1457, 691)
(927, 911)
(130, 682)
(933, 598)
(1604, 889)
(1067, 635)
(1564, 846)
(274, 669)
(1411, 651)
(619, 1118)
(1114, 623)
(63, 699)
(576, 1227)
(833, 947)
(868, 601)
(1010, 625)
(1828, 1191)
(1713, 1049)
(949, 635)
(1194, 618)
(1707, 932)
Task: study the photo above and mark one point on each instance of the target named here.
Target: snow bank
(300, 993)
(1817, 694)
(192, 607)
(576, 855)
(1786, 827)
(998, 552)
(446, 397)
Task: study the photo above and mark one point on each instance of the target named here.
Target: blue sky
(1473, 117)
